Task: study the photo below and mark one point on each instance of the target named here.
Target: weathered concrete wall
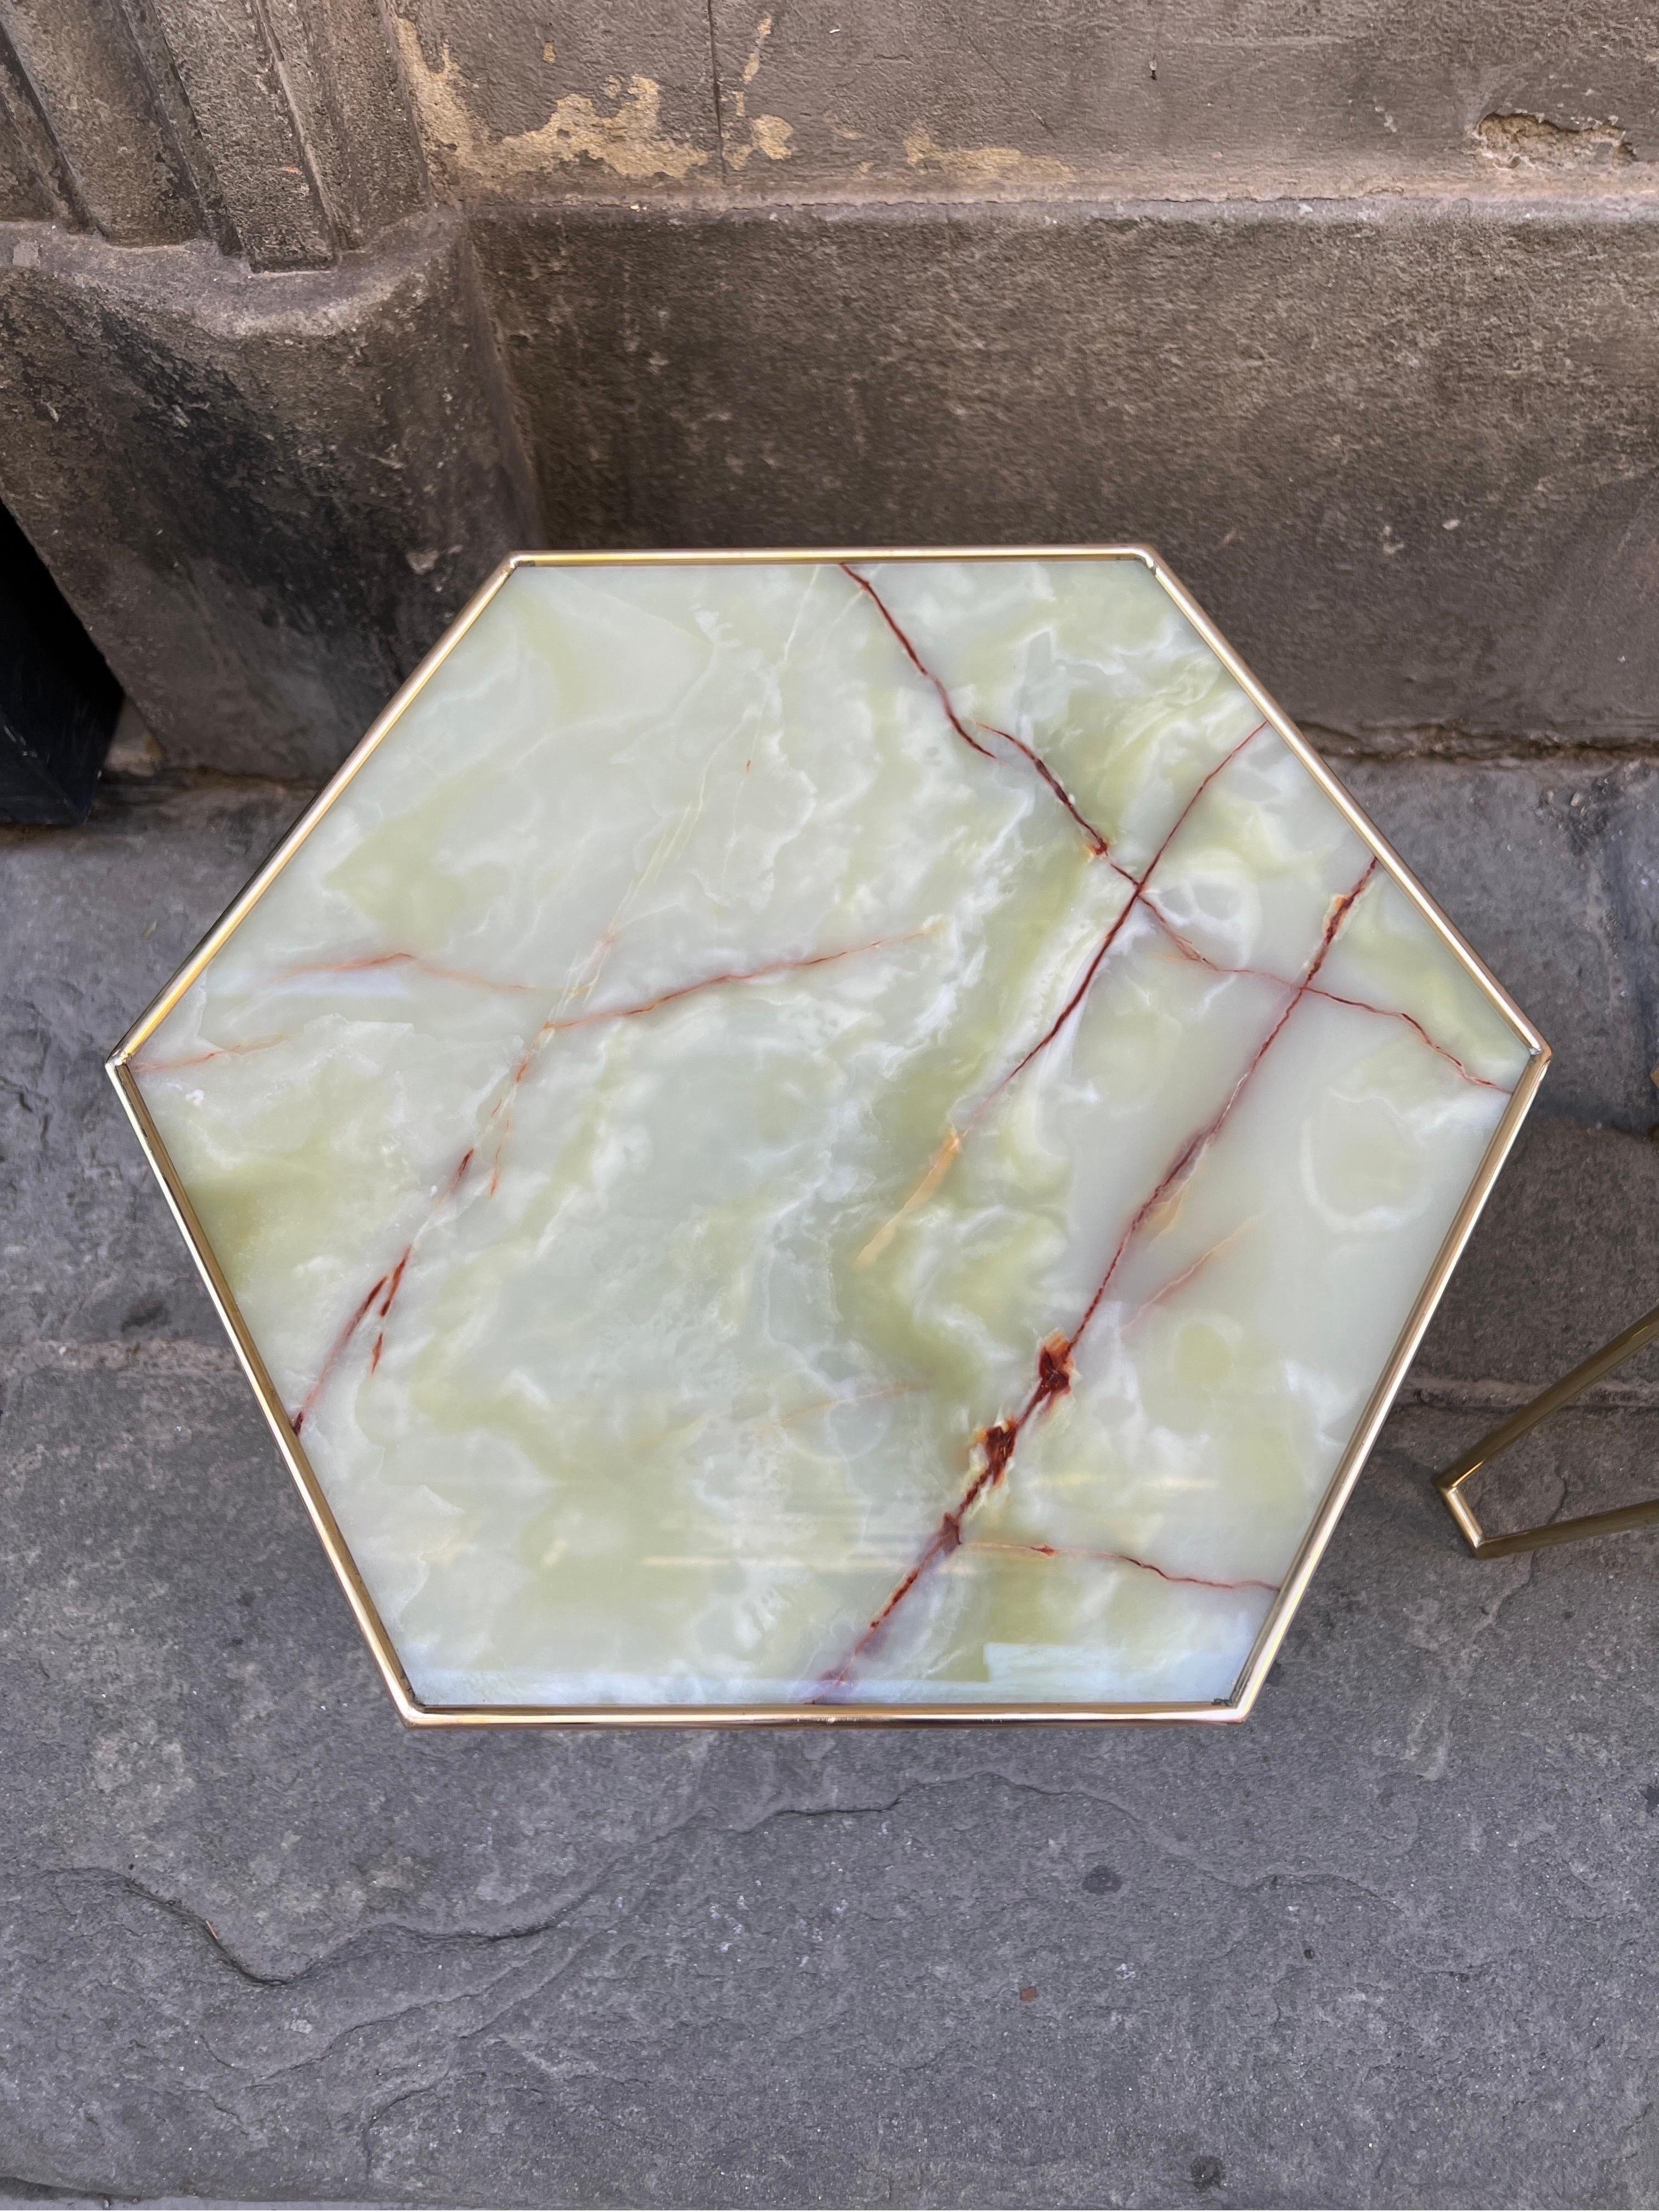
(1405, 451)
(266, 497)
(517, 99)
(1350, 311)
(281, 129)
(288, 123)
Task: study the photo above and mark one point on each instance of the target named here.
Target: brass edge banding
(1221, 1712)
(1353, 1463)
(363, 1607)
(1234, 1708)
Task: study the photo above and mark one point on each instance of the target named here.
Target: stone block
(1402, 447)
(1543, 866)
(884, 98)
(265, 496)
(94, 921)
(1403, 450)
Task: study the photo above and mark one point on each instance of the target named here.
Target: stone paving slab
(1551, 872)
(1389, 1942)
(93, 921)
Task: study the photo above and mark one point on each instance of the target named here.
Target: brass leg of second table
(1450, 1483)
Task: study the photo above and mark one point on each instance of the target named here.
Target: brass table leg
(1450, 1483)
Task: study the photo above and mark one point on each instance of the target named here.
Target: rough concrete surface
(296, 482)
(1381, 441)
(894, 97)
(310, 310)
(281, 130)
(1404, 449)
(1387, 1943)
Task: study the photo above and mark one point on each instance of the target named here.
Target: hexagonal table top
(802, 1137)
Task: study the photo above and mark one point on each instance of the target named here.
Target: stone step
(1402, 449)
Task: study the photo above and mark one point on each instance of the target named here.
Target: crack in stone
(24, 2191)
(484, 1939)
(1457, 1395)
(1160, 1846)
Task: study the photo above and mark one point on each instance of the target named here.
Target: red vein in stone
(1137, 897)
(1096, 840)
(998, 1442)
(336, 1352)
(1055, 1356)
(915, 659)
(730, 975)
(556, 1028)
(1188, 950)
(934, 1172)
(1053, 784)
(1189, 1274)
(1193, 1150)
(397, 1276)
(385, 1290)
(200, 1059)
(408, 960)
(1122, 1559)
(1399, 1014)
(385, 1287)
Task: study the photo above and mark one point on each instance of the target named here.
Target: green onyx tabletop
(802, 1137)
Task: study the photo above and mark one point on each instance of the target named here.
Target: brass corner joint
(1450, 1483)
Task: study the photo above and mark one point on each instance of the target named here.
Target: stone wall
(308, 313)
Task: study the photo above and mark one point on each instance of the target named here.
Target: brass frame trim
(1235, 1707)
(1450, 1481)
